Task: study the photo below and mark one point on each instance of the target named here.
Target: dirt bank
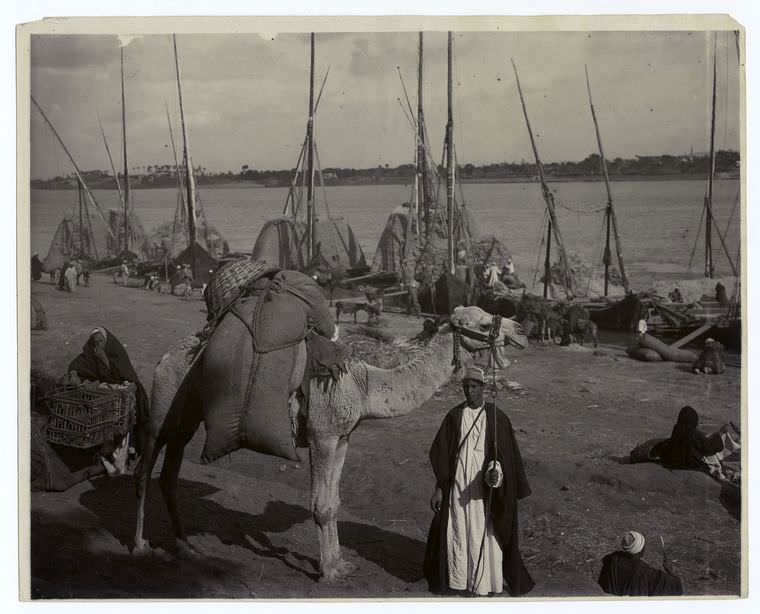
(578, 413)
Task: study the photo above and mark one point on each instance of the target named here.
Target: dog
(354, 308)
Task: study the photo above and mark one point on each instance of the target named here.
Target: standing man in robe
(472, 545)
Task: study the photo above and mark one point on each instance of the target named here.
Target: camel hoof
(338, 572)
(141, 547)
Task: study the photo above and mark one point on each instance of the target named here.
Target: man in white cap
(472, 545)
(624, 573)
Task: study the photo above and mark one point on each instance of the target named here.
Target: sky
(246, 96)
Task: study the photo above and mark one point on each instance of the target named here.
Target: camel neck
(399, 391)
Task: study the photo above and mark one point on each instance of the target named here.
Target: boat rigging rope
(696, 238)
(579, 211)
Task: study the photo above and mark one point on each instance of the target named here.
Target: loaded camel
(364, 392)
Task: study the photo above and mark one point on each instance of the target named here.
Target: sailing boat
(300, 240)
(699, 312)
(417, 233)
(88, 234)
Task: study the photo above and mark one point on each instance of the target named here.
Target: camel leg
(142, 479)
(168, 482)
(327, 457)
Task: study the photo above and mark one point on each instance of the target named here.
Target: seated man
(624, 573)
(104, 359)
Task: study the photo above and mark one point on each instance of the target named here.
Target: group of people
(472, 545)
(500, 279)
(72, 274)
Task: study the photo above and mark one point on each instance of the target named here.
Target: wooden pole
(110, 161)
(310, 163)
(77, 172)
(450, 159)
(125, 224)
(708, 198)
(81, 219)
(548, 196)
(423, 195)
(548, 260)
(190, 180)
(611, 218)
(177, 171)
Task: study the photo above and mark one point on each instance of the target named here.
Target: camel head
(474, 324)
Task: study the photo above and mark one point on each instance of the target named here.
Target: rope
(696, 238)
(456, 361)
(581, 212)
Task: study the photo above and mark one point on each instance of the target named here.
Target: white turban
(633, 542)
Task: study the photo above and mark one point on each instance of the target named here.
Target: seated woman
(104, 359)
(689, 448)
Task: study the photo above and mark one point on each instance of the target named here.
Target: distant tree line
(152, 176)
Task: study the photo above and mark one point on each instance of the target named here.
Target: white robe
(467, 519)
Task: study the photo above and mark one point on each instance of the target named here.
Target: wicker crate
(88, 415)
(229, 282)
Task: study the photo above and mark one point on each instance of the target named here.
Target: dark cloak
(625, 574)
(443, 457)
(36, 268)
(89, 367)
(687, 444)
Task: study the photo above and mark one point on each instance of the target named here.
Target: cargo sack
(645, 354)
(249, 363)
(319, 316)
(665, 351)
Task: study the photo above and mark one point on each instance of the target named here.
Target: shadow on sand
(113, 502)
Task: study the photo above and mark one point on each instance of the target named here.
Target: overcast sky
(246, 97)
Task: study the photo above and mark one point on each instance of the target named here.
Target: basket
(229, 283)
(89, 415)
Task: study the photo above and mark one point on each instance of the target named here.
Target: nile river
(658, 220)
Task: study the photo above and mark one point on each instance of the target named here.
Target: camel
(364, 392)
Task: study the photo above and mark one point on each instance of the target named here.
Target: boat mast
(191, 201)
(80, 204)
(126, 165)
(450, 161)
(711, 172)
(610, 213)
(77, 172)
(423, 196)
(546, 192)
(110, 161)
(310, 163)
(181, 207)
(548, 259)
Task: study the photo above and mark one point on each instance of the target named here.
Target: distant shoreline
(331, 183)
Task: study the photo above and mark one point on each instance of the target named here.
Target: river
(658, 220)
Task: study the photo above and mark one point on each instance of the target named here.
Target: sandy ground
(577, 416)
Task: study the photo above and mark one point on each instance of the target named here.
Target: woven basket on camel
(229, 283)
